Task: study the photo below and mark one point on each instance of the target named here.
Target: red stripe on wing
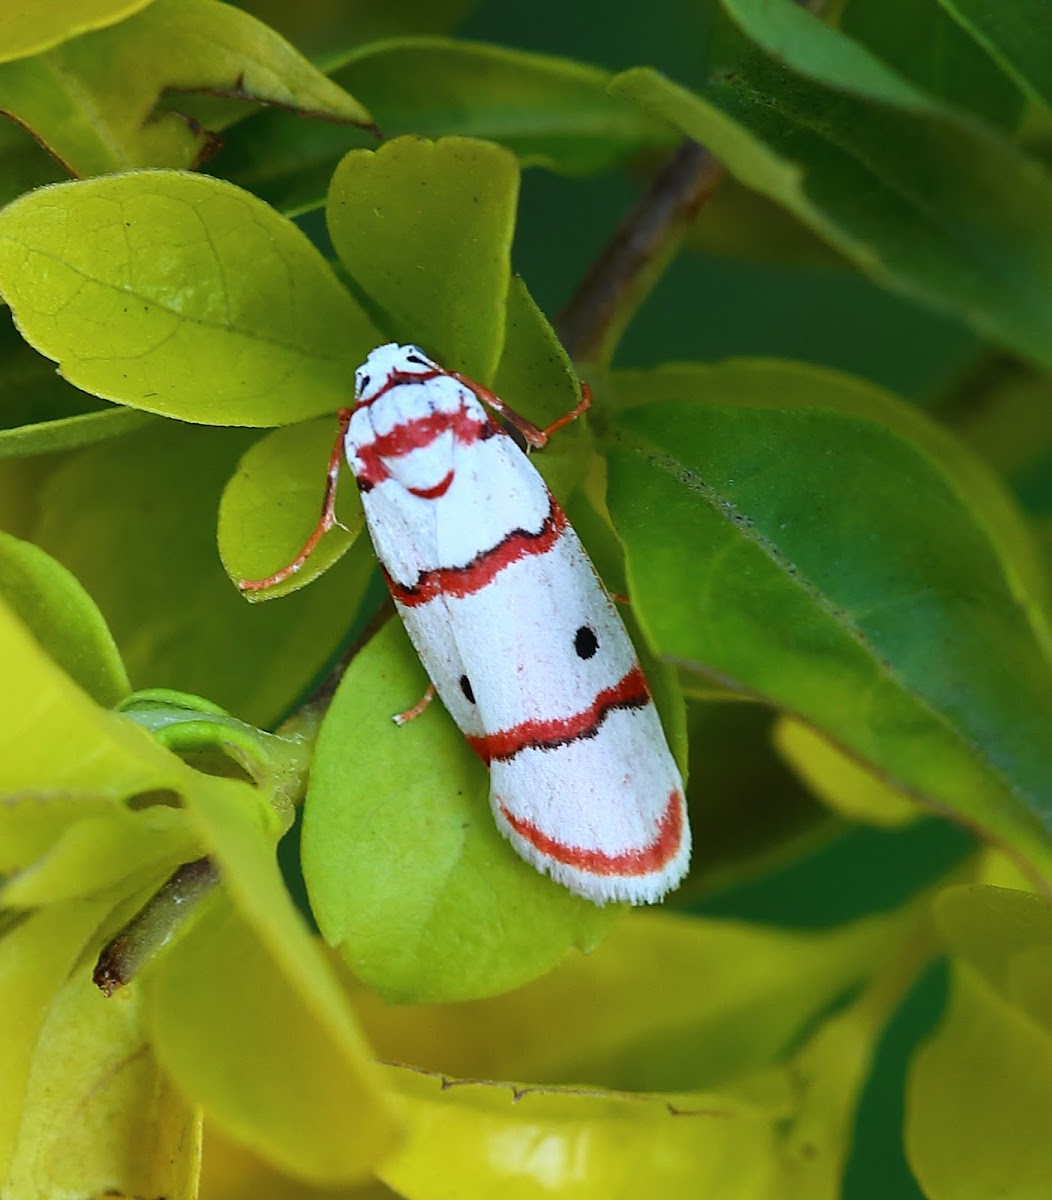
(484, 567)
(629, 692)
(433, 493)
(644, 860)
(412, 435)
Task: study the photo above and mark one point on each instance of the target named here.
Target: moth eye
(363, 385)
(585, 642)
(465, 687)
(415, 359)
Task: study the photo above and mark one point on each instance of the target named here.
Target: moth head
(386, 361)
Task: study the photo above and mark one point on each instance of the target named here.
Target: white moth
(516, 632)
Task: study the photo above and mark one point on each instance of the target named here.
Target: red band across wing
(628, 863)
(412, 435)
(629, 692)
(484, 567)
(433, 493)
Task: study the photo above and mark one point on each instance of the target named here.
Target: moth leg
(583, 405)
(326, 520)
(410, 714)
(534, 437)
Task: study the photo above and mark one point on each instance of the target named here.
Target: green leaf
(667, 1003)
(199, 731)
(95, 101)
(109, 755)
(736, 222)
(181, 295)
(782, 1131)
(536, 378)
(549, 112)
(809, 540)
(64, 828)
(272, 503)
(36, 956)
(407, 874)
(94, 854)
(321, 27)
(535, 375)
(63, 618)
(752, 815)
(234, 1032)
(134, 518)
(40, 413)
(1003, 411)
(985, 1079)
(1006, 936)
(85, 1109)
(30, 28)
(70, 433)
(32, 821)
(424, 230)
(31, 390)
(486, 1138)
(241, 838)
(925, 201)
(839, 780)
(103, 755)
(234, 822)
(1017, 37)
(921, 41)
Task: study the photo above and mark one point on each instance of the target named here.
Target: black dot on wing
(465, 687)
(585, 642)
(413, 358)
(363, 385)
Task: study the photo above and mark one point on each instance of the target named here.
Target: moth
(518, 636)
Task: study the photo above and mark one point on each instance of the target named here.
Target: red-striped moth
(517, 634)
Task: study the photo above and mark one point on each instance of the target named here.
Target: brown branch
(630, 263)
(154, 925)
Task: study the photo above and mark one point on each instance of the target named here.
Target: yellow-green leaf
(882, 601)
(109, 100)
(424, 230)
(235, 1033)
(63, 618)
(842, 782)
(407, 874)
(100, 1117)
(984, 1081)
(30, 27)
(182, 295)
(134, 518)
(665, 1003)
(272, 502)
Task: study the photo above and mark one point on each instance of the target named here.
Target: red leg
(410, 714)
(326, 520)
(583, 406)
(534, 437)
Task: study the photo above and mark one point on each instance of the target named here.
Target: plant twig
(154, 925)
(631, 262)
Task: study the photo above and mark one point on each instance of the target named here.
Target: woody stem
(620, 279)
